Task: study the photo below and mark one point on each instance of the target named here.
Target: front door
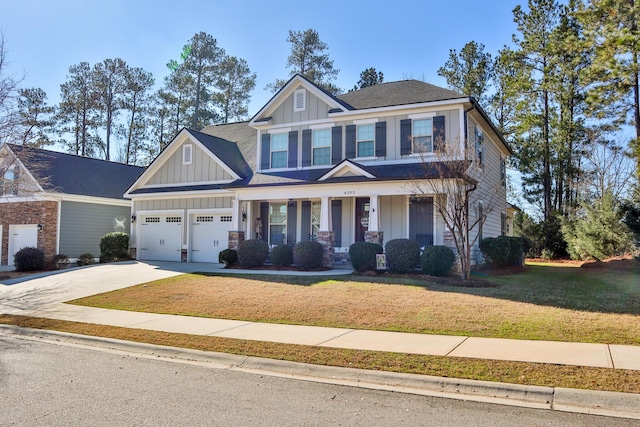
(362, 217)
(21, 236)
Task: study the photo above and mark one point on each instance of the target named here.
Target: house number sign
(349, 192)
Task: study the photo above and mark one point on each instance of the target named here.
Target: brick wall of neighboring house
(45, 213)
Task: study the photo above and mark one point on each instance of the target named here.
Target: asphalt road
(48, 384)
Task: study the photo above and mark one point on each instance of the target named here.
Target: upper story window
(479, 145)
(9, 182)
(279, 143)
(365, 140)
(187, 154)
(299, 100)
(422, 135)
(321, 146)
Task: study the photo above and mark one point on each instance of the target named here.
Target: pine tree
(469, 72)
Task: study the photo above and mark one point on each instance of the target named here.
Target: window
(503, 172)
(321, 147)
(299, 100)
(422, 136)
(315, 220)
(9, 182)
(279, 143)
(365, 140)
(277, 223)
(479, 145)
(187, 154)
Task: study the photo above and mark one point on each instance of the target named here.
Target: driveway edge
(613, 404)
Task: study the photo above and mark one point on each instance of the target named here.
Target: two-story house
(310, 165)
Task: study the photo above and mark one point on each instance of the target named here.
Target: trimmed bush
(252, 253)
(114, 246)
(85, 259)
(502, 251)
(363, 255)
(403, 255)
(282, 256)
(308, 255)
(228, 257)
(60, 261)
(437, 260)
(29, 259)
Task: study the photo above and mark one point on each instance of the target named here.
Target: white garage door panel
(21, 236)
(161, 238)
(209, 235)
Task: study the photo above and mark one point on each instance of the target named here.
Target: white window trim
(419, 116)
(299, 94)
(313, 148)
(271, 151)
(321, 126)
(187, 148)
(365, 121)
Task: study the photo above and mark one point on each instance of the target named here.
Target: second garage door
(161, 238)
(209, 235)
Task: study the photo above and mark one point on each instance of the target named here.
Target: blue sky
(403, 39)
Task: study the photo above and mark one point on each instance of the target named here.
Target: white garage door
(22, 236)
(209, 235)
(160, 238)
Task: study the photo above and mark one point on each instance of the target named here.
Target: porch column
(326, 236)
(373, 233)
(236, 234)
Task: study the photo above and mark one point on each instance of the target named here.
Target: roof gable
(70, 174)
(346, 168)
(288, 90)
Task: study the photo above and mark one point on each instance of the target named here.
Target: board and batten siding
(181, 204)
(202, 169)
(316, 109)
(82, 225)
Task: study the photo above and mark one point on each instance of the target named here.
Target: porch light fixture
(133, 218)
(39, 227)
(244, 215)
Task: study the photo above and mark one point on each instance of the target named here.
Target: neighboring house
(512, 210)
(310, 165)
(60, 203)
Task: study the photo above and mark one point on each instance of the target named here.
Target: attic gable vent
(299, 100)
(187, 154)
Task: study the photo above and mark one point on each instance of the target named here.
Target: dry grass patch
(474, 369)
(508, 311)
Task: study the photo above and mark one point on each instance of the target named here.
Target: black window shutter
(439, 136)
(336, 221)
(293, 149)
(265, 159)
(306, 147)
(350, 143)
(381, 139)
(336, 145)
(264, 217)
(305, 221)
(405, 137)
(292, 221)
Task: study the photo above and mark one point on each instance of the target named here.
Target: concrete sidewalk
(44, 297)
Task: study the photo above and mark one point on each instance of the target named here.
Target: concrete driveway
(28, 294)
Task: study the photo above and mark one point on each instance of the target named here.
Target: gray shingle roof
(398, 93)
(70, 174)
(227, 151)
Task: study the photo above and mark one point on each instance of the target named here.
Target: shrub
(60, 261)
(114, 246)
(403, 255)
(252, 253)
(437, 260)
(308, 255)
(228, 257)
(502, 251)
(85, 259)
(363, 255)
(282, 256)
(29, 259)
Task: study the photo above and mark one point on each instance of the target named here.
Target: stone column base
(327, 240)
(447, 240)
(374, 237)
(235, 237)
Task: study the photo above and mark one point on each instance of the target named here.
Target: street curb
(612, 404)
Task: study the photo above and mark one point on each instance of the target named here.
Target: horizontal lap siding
(82, 225)
(202, 169)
